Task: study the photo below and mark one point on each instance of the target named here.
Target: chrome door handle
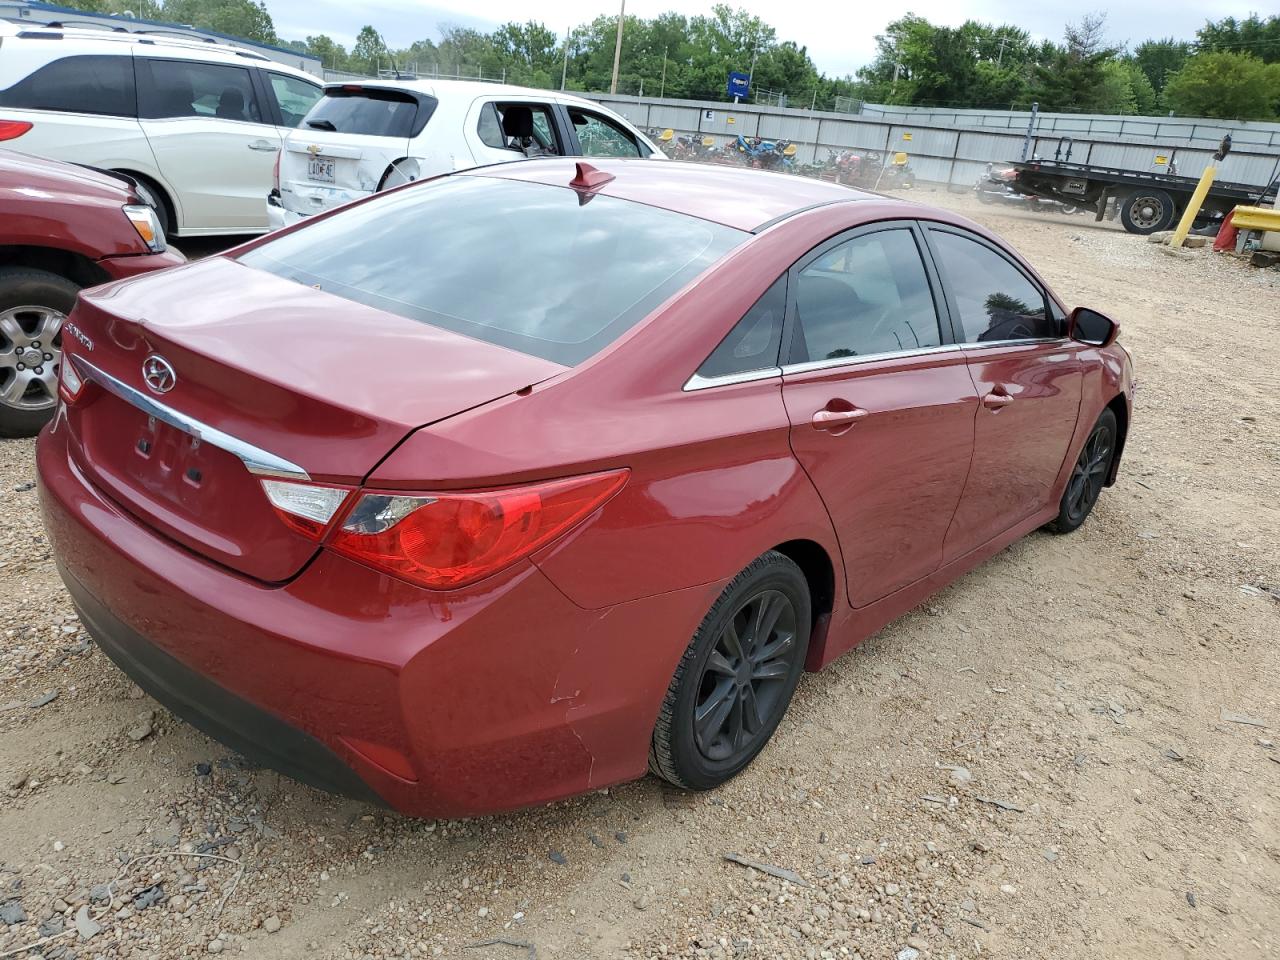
(837, 420)
(996, 401)
(263, 145)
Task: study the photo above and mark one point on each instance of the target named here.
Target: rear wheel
(33, 306)
(1147, 210)
(736, 677)
(1088, 475)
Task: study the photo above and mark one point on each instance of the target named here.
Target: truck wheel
(1147, 210)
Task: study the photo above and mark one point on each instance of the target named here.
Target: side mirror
(1091, 327)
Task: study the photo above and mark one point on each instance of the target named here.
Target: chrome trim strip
(698, 382)
(1019, 341)
(258, 461)
(868, 358)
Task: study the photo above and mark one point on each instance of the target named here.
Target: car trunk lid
(261, 377)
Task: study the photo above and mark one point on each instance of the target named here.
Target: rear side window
(868, 295)
(91, 84)
(294, 97)
(371, 112)
(995, 299)
(531, 267)
(186, 88)
(523, 127)
(753, 342)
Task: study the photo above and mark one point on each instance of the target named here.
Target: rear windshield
(536, 268)
(370, 112)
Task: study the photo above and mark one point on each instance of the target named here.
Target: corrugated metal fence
(949, 151)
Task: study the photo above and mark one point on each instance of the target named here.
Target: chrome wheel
(30, 351)
(1089, 473)
(744, 682)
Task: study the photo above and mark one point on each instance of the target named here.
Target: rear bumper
(217, 712)
(499, 696)
(118, 268)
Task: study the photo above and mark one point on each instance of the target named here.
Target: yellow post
(1193, 208)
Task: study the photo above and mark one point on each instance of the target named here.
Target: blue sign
(739, 84)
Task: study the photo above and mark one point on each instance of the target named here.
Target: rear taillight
(448, 540)
(13, 129)
(70, 383)
(305, 508)
(275, 171)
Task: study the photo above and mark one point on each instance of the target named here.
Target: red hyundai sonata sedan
(520, 482)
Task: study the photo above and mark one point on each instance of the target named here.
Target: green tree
(1159, 58)
(1253, 35)
(1237, 86)
(239, 18)
(370, 51)
(1075, 78)
(530, 52)
(333, 55)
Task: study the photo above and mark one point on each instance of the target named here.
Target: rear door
(1027, 375)
(213, 139)
(349, 143)
(880, 402)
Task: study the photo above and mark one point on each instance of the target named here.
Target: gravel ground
(1068, 753)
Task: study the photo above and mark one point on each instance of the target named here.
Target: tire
(1147, 210)
(1088, 476)
(712, 682)
(33, 305)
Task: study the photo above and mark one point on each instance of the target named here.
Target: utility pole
(564, 71)
(1000, 58)
(617, 50)
(662, 88)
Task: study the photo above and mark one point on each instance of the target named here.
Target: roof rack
(124, 34)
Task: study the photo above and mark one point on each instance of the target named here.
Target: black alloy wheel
(736, 678)
(1089, 475)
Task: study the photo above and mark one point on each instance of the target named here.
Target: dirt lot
(1069, 753)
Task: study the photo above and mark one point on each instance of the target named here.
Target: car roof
(734, 196)
(155, 42)
(462, 88)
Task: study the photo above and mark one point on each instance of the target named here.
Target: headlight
(147, 224)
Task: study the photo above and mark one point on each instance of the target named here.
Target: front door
(881, 405)
(1027, 375)
(212, 139)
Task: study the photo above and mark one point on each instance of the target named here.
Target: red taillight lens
(305, 508)
(13, 129)
(449, 540)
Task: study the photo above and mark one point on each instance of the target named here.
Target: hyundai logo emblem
(158, 374)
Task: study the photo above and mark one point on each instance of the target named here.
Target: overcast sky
(840, 36)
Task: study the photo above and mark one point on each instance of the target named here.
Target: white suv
(198, 125)
(366, 136)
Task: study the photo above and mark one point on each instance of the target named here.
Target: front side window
(995, 299)
(600, 137)
(103, 86)
(294, 97)
(868, 295)
(522, 265)
(524, 127)
(753, 342)
(186, 88)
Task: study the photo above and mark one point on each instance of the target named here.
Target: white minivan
(368, 135)
(197, 125)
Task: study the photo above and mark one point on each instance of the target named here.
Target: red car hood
(53, 176)
(323, 383)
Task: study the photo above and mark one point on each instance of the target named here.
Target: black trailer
(1146, 202)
